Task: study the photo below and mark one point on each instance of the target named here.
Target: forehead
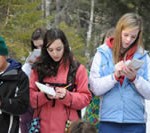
(133, 31)
(56, 43)
(38, 41)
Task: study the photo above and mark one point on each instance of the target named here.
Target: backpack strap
(71, 78)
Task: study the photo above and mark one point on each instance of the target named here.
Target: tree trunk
(46, 4)
(58, 12)
(89, 32)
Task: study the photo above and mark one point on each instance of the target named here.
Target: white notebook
(135, 63)
(46, 89)
(33, 55)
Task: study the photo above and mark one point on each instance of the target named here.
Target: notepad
(46, 89)
(135, 63)
(32, 57)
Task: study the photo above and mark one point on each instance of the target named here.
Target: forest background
(83, 21)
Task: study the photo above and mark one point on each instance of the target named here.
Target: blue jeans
(111, 127)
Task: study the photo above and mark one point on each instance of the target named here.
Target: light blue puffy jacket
(121, 103)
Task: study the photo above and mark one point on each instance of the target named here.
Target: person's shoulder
(22, 74)
(27, 67)
(82, 69)
(103, 47)
(81, 66)
(142, 52)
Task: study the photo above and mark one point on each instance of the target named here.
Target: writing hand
(60, 92)
(118, 69)
(130, 73)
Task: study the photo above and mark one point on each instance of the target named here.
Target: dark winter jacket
(14, 97)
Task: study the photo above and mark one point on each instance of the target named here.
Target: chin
(57, 60)
(125, 47)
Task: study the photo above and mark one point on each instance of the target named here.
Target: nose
(54, 53)
(128, 38)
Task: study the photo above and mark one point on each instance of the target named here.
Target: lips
(56, 59)
(126, 45)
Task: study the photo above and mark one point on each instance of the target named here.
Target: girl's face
(56, 50)
(128, 37)
(38, 43)
(3, 63)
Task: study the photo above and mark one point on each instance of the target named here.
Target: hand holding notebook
(135, 63)
(46, 89)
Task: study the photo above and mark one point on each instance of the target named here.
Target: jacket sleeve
(35, 93)
(19, 103)
(100, 85)
(27, 68)
(82, 96)
(142, 85)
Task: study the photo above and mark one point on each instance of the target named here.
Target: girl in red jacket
(53, 69)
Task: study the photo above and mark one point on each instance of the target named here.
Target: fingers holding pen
(118, 68)
(121, 69)
(60, 92)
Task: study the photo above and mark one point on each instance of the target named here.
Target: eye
(133, 37)
(49, 49)
(59, 49)
(125, 35)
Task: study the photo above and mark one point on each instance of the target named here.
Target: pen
(67, 86)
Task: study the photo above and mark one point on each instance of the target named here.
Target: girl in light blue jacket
(123, 88)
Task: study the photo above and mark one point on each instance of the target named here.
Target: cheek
(1, 65)
(1, 61)
(50, 54)
(62, 53)
(123, 38)
(123, 41)
(132, 40)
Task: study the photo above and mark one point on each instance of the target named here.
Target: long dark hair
(46, 66)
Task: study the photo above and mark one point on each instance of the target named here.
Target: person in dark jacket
(14, 91)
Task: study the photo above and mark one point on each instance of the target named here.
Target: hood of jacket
(13, 64)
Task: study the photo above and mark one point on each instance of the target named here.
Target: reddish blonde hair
(127, 21)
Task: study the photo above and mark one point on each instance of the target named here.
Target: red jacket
(53, 119)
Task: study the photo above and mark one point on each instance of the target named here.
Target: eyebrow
(56, 47)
